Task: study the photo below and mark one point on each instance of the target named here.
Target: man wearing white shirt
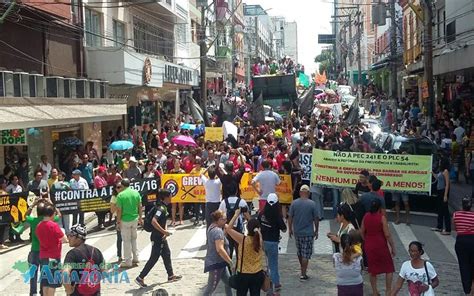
(78, 183)
(459, 132)
(212, 186)
(267, 181)
(45, 167)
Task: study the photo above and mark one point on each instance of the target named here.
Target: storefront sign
(13, 137)
(305, 164)
(178, 75)
(398, 172)
(96, 200)
(13, 207)
(187, 188)
(214, 134)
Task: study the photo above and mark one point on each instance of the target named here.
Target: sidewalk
(458, 192)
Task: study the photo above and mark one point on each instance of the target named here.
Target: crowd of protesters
(268, 149)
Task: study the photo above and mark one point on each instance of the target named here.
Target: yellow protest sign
(214, 134)
(284, 190)
(398, 172)
(184, 187)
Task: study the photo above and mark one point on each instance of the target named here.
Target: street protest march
(401, 172)
(188, 188)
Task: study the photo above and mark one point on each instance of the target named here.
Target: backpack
(90, 280)
(147, 222)
(230, 213)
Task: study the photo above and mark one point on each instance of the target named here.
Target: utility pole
(233, 58)
(393, 57)
(203, 56)
(359, 56)
(428, 57)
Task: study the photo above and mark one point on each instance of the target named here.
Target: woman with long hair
(217, 256)
(348, 265)
(442, 194)
(464, 225)
(420, 274)
(377, 238)
(344, 216)
(249, 256)
(271, 221)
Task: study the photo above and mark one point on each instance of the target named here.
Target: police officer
(158, 237)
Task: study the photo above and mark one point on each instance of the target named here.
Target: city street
(188, 250)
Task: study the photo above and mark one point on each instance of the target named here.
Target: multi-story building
(144, 51)
(259, 31)
(48, 101)
(278, 26)
(291, 40)
(453, 53)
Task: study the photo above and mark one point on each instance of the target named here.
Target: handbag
(430, 291)
(234, 279)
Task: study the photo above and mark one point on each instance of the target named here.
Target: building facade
(291, 40)
(44, 72)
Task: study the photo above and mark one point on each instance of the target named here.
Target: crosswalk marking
(197, 241)
(321, 245)
(283, 245)
(145, 253)
(406, 236)
(449, 242)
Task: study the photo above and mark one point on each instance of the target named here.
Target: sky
(313, 18)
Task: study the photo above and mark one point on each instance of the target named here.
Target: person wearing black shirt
(158, 237)
(228, 177)
(271, 223)
(81, 254)
(363, 185)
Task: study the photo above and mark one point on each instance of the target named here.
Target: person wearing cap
(100, 182)
(155, 141)
(78, 183)
(271, 223)
(303, 222)
(80, 254)
(158, 237)
(464, 226)
(129, 215)
(133, 172)
(264, 183)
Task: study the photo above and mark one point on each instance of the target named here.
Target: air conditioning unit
(55, 87)
(82, 88)
(94, 89)
(70, 88)
(6, 84)
(36, 86)
(21, 84)
(104, 89)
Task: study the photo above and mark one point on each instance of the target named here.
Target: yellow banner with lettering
(214, 134)
(187, 188)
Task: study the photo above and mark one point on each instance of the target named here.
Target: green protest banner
(398, 172)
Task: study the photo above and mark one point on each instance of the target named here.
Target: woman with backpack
(271, 221)
(420, 274)
(250, 256)
(217, 257)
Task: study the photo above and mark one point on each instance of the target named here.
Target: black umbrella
(70, 141)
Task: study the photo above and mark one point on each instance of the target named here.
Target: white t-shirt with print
(413, 275)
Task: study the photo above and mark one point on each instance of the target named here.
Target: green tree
(325, 60)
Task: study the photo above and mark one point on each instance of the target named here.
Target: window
(119, 33)
(451, 32)
(93, 28)
(181, 33)
(152, 39)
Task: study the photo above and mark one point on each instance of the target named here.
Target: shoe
(445, 232)
(435, 229)
(304, 278)
(101, 227)
(196, 223)
(140, 282)
(119, 259)
(174, 278)
(277, 288)
(3, 247)
(124, 265)
(135, 261)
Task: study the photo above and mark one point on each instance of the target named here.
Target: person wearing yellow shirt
(54, 177)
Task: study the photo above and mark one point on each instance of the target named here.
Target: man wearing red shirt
(50, 237)
(282, 156)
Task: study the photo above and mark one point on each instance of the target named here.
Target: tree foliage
(325, 60)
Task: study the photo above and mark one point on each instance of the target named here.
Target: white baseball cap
(272, 199)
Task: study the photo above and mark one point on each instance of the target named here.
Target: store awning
(38, 112)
